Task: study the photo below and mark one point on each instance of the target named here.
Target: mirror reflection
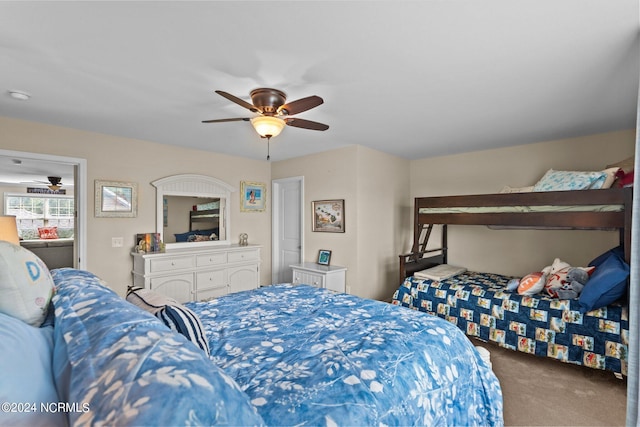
(191, 205)
(193, 219)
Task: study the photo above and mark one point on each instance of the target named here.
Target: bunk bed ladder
(421, 240)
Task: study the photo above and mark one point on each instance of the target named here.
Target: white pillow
(26, 286)
(612, 174)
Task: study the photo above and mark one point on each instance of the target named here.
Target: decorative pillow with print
(26, 286)
(557, 276)
(554, 180)
(48, 232)
(532, 283)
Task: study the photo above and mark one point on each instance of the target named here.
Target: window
(41, 211)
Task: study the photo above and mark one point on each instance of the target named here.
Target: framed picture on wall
(253, 196)
(324, 257)
(328, 215)
(114, 199)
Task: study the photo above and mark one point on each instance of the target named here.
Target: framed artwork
(115, 199)
(328, 215)
(324, 256)
(252, 196)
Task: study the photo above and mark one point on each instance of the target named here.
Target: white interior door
(288, 222)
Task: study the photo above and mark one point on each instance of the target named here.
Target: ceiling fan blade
(238, 101)
(300, 105)
(305, 124)
(246, 119)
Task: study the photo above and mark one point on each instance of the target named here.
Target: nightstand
(330, 277)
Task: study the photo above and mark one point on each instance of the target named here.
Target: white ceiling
(410, 78)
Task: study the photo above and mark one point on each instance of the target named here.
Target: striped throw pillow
(173, 314)
(183, 320)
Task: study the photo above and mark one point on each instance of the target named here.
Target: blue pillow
(606, 285)
(618, 251)
(26, 374)
(184, 237)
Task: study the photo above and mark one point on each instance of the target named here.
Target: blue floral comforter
(116, 365)
(306, 356)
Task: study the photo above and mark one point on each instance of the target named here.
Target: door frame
(275, 224)
(80, 192)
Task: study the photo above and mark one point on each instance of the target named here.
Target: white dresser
(198, 274)
(330, 277)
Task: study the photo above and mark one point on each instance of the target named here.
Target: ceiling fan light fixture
(268, 126)
(55, 182)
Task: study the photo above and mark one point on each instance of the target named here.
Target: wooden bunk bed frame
(421, 257)
(211, 216)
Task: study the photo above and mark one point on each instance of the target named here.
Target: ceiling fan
(55, 182)
(274, 112)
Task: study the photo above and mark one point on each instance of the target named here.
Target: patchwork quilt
(479, 304)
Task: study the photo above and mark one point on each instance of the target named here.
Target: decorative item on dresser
(324, 257)
(321, 276)
(199, 273)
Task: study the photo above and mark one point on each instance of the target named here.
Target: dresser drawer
(169, 264)
(211, 259)
(211, 279)
(306, 278)
(250, 255)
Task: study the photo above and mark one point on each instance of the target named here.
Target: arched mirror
(192, 210)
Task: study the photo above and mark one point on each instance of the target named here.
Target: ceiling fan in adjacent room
(274, 112)
(54, 183)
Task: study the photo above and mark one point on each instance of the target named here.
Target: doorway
(287, 227)
(80, 196)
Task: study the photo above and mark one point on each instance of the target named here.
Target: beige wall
(327, 175)
(519, 252)
(123, 159)
(375, 188)
(384, 227)
(378, 190)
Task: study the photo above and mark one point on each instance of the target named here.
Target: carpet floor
(542, 392)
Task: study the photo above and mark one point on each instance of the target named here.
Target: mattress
(523, 209)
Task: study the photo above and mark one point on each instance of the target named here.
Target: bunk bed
(480, 304)
(204, 223)
(210, 217)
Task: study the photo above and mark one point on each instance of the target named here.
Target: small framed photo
(115, 199)
(328, 215)
(324, 257)
(252, 196)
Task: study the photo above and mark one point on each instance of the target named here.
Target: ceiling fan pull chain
(268, 147)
